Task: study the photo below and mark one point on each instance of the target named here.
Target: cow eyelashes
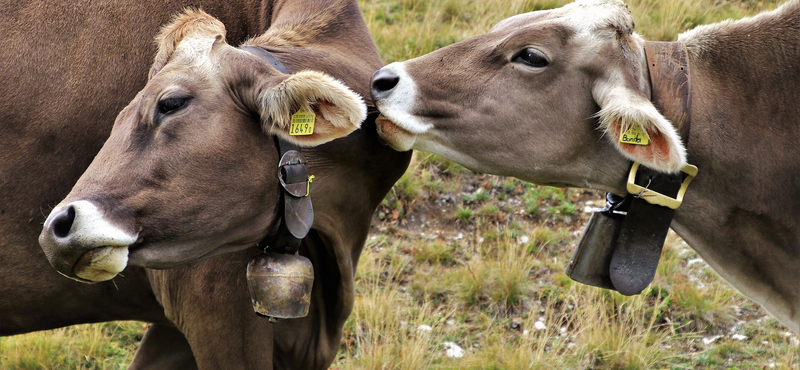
(532, 57)
(169, 105)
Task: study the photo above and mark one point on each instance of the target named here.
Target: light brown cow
(545, 96)
(71, 67)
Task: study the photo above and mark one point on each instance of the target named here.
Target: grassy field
(465, 271)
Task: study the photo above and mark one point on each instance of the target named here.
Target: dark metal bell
(591, 262)
(280, 285)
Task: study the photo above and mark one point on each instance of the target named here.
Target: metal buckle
(297, 189)
(659, 199)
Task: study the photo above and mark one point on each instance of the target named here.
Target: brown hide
(540, 97)
(743, 213)
(68, 70)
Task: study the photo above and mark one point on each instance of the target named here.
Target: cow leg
(163, 347)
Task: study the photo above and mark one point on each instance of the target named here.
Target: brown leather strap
(670, 83)
(644, 229)
(298, 213)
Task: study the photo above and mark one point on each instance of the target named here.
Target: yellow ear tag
(302, 123)
(634, 136)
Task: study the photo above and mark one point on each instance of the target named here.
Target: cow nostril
(62, 224)
(383, 82)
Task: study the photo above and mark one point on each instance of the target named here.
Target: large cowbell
(280, 285)
(620, 251)
(591, 262)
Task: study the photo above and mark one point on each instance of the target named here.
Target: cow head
(543, 96)
(190, 168)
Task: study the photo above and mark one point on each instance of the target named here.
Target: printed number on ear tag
(302, 123)
(634, 136)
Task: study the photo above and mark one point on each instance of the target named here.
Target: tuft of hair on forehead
(596, 15)
(602, 20)
(191, 23)
(590, 17)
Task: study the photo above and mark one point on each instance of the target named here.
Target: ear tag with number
(302, 123)
(635, 135)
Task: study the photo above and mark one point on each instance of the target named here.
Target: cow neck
(645, 227)
(295, 199)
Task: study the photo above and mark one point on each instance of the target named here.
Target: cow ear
(626, 113)
(192, 23)
(337, 110)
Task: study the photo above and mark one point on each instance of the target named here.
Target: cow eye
(169, 105)
(531, 57)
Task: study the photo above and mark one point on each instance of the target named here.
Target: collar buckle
(656, 198)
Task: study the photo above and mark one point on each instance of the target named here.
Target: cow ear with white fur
(338, 111)
(623, 106)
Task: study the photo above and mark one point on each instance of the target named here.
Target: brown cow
(185, 137)
(67, 77)
(545, 96)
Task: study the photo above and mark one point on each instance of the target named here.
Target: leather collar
(295, 198)
(670, 83)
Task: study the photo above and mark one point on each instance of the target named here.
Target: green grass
(107, 346)
(464, 215)
(437, 253)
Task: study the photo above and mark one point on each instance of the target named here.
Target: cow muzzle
(81, 244)
(394, 93)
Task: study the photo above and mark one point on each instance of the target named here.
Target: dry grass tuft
(108, 346)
